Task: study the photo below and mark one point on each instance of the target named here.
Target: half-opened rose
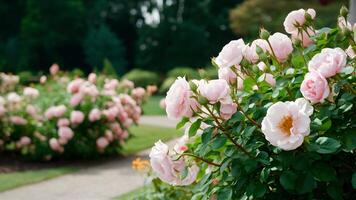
(314, 87)
(296, 19)
(287, 123)
(227, 110)
(214, 90)
(328, 62)
(178, 100)
(281, 45)
(231, 54)
(250, 53)
(227, 74)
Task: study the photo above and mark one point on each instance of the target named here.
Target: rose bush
(69, 117)
(279, 123)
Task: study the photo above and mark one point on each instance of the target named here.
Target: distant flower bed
(67, 117)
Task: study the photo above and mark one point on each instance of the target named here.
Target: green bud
(255, 68)
(193, 86)
(244, 63)
(308, 17)
(259, 50)
(297, 42)
(344, 11)
(202, 100)
(264, 34)
(346, 32)
(263, 56)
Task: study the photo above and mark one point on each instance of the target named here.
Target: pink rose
(31, 92)
(231, 54)
(296, 20)
(43, 79)
(94, 115)
(74, 86)
(227, 110)
(63, 122)
(314, 87)
(138, 93)
(111, 84)
(102, 142)
(328, 62)
(250, 53)
(13, 98)
(31, 110)
(76, 117)
(24, 141)
(270, 79)
(65, 133)
(178, 101)
(17, 120)
(55, 145)
(76, 99)
(343, 24)
(304, 37)
(109, 135)
(262, 66)
(350, 52)
(281, 45)
(92, 78)
(227, 74)
(214, 90)
(54, 69)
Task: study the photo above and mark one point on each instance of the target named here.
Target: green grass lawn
(144, 136)
(151, 107)
(17, 179)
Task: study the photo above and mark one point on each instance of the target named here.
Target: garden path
(104, 181)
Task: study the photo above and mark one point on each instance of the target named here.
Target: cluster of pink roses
(96, 108)
(285, 124)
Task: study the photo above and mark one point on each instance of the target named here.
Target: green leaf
(218, 142)
(194, 127)
(225, 193)
(206, 136)
(182, 122)
(327, 145)
(334, 191)
(256, 189)
(353, 180)
(347, 70)
(323, 172)
(264, 174)
(305, 183)
(325, 125)
(349, 140)
(288, 180)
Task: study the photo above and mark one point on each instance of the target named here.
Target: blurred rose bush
(68, 117)
(279, 123)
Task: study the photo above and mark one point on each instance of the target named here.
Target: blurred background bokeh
(154, 35)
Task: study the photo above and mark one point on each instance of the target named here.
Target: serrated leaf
(194, 127)
(182, 122)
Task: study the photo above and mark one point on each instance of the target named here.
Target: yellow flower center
(286, 124)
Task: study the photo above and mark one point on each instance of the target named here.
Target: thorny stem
(202, 159)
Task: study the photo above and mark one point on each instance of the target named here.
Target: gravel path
(104, 181)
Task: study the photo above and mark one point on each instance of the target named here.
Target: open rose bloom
(278, 123)
(77, 117)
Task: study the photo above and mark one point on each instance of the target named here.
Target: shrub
(278, 124)
(68, 118)
(166, 85)
(142, 78)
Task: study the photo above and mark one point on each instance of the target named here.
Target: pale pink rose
(138, 93)
(286, 124)
(240, 83)
(76, 99)
(43, 79)
(31, 110)
(17, 120)
(250, 53)
(178, 101)
(296, 20)
(102, 142)
(128, 122)
(109, 135)
(13, 98)
(350, 52)
(343, 24)
(88, 89)
(304, 37)
(94, 115)
(92, 78)
(162, 103)
(76, 117)
(270, 79)
(151, 89)
(65, 132)
(55, 111)
(215, 90)
(227, 110)
(31, 92)
(24, 141)
(169, 169)
(111, 113)
(62, 141)
(116, 128)
(281, 45)
(63, 122)
(328, 62)
(54, 69)
(123, 135)
(231, 54)
(111, 84)
(315, 87)
(74, 86)
(181, 145)
(2, 110)
(227, 74)
(262, 66)
(127, 84)
(55, 145)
